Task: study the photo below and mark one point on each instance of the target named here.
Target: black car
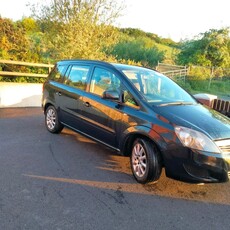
(142, 114)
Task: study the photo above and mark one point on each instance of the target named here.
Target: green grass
(217, 87)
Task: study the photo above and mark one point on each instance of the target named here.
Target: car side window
(57, 74)
(129, 100)
(103, 80)
(77, 76)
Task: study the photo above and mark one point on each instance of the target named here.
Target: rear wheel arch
(47, 105)
(50, 103)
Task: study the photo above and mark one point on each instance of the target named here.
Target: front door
(101, 116)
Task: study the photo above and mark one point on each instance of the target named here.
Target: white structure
(206, 99)
(20, 94)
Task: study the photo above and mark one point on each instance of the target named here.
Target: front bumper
(208, 168)
(197, 166)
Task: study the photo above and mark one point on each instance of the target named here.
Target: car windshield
(156, 88)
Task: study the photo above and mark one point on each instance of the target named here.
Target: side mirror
(111, 95)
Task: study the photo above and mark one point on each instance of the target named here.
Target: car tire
(145, 161)
(51, 120)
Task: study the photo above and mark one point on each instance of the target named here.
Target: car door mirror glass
(111, 95)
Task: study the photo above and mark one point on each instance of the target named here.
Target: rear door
(54, 85)
(72, 93)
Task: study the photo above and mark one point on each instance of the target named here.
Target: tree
(29, 24)
(78, 28)
(36, 48)
(212, 48)
(218, 47)
(96, 11)
(13, 40)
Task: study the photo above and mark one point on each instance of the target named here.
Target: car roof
(117, 66)
(69, 61)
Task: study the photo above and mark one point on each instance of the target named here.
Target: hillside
(145, 48)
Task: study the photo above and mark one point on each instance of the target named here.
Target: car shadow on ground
(118, 176)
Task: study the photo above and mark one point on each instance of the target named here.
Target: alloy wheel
(139, 160)
(51, 119)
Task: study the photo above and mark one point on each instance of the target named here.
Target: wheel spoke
(139, 160)
(143, 164)
(136, 150)
(142, 170)
(141, 151)
(142, 158)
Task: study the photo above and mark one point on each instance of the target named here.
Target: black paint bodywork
(117, 125)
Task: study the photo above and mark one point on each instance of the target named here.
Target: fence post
(211, 76)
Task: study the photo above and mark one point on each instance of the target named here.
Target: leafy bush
(198, 73)
(23, 79)
(137, 51)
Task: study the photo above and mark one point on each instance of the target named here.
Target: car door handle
(87, 104)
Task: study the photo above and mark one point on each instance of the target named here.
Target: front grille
(224, 145)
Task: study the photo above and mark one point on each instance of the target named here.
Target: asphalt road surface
(66, 181)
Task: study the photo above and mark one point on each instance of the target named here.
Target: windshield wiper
(176, 103)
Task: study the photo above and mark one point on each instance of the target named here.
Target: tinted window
(77, 76)
(57, 73)
(103, 80)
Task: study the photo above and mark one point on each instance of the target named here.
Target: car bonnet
(198, 117)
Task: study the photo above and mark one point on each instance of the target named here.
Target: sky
(175, 19)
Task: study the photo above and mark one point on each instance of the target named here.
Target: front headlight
(195, 140)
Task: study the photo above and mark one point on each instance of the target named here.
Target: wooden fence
(173, 71)
(9, 63)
